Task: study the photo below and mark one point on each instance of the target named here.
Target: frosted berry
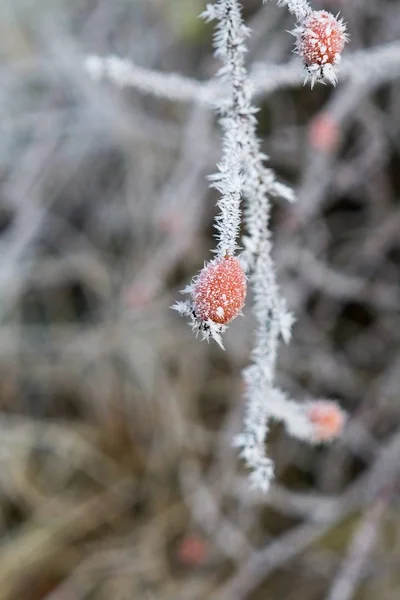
(327, 420)
(320, 40)
(219, 291)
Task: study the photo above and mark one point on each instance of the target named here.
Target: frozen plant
(320, 39)
(234, 111)
(216, 295)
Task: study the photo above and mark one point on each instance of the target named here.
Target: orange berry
(220, 290)
(323, 133)
(321, 39)
(192, 551)
(327, 418)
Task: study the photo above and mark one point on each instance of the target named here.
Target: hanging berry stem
(229, 44)
(218, 292)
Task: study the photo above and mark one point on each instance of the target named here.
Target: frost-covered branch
(220, 285)
(375, 65)
(123, 73)
(300, 8)
(229, 43)
(272, 318)
(217, 293)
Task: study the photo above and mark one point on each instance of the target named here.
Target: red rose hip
(219, 291)
(322, 40)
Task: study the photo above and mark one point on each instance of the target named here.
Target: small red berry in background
(192, 551)
(323, 133)
(220, 290)
(322, 39)
(327, 419)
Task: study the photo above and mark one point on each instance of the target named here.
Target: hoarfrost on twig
(375, 65)
(217, 293)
